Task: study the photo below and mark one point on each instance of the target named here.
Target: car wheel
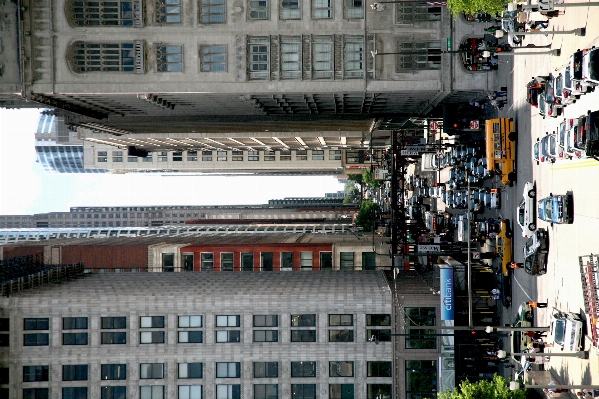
(511, 176)
(532, 227)
(512, 136)
(529, 316)
(532, 193)
(542, 271)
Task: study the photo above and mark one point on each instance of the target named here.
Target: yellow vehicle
(503, 246)
(500, 138)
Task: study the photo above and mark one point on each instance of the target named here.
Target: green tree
(367, 214)
(368, 180)
(470, 7)
(354, 178)
(498, 388)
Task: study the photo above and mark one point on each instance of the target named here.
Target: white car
(526, 210)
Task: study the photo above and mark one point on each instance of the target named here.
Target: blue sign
(447, 297)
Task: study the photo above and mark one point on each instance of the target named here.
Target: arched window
(86, 57)
(126, 13)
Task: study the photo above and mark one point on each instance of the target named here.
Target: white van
(590, 66)
(566, 331)
(430, 161)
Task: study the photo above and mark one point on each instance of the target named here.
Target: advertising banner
(447, 297)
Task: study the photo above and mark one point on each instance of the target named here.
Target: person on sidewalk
(534, 304)
(515, 265)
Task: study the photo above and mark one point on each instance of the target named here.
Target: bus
(500, 138)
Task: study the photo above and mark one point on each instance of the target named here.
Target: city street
(561, 286)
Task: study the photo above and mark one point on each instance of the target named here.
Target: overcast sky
(25, 188)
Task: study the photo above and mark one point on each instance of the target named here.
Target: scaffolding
(589, 277)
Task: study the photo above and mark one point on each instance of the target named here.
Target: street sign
(449, 44)
(474, 125)
(413, 150)
(545, 5)
(434, 125)
(429, 248)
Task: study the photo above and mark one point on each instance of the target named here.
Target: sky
(25, 188)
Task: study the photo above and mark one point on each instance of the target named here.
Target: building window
(228, 370)
(39, 339)
(269, 155)
(267, 261)
(421, 379)
(258, 57)
(228, 391)
(187, 262)
(266, 321)
(341, 369)
(301, 155)
(168, 11)
(228, 336)
(290, 9)
(417, 12)
(346, 261)
(190, 321)
(303, 335)
(74, 372)
(353, 9)
(192, 156)
(213, 59)
(74, 323)
(190, 337)
(168, 262)
(131, 159)
(335, 155)
(266, 336)
(306, 260)
(35, 373)
(114, 322)
(74, 338)
(146, 159)
(101, 13)
(354, 57)
(226, 261)
(190, 370)
(247, 261)
(341, 391)
(151, 321)
(285, 155)
(303, 320)
(207, 260)
(378, 320)
(227, 321)
(178, 156)
(382, 391)
(35, 393)
(322, 9)
(237, 155)
(221, 156)
(318, 155)
(418, 55)
(322, 57)
(326, 260)
(102, 156)
(151, 392)
(303, 391)
(117, 156)
(378, 335)
(113, 371)
(207, 156)
(379, 369)
(259, 9)
(341, 335)
(287, 261)
(303, 369)
(421, 339)
(368, 261)
(151, 370)
(113, 392)
(212, 11)
(190, 392)
(104, 57)
(151, 337)
(266, 391)
(253, 155)
(115, 338)
(266, 369)
(74, 393)
(336, 320)
(291, 57)
(162, 156)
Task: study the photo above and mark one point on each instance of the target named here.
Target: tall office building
(217, 335)
(196, 67)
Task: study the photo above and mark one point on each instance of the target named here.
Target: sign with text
(447, 296)
(429, 248)
(413, 150)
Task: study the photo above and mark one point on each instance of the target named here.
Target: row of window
(223, 391)
(207, 156)
(299, 369)
(122, 13)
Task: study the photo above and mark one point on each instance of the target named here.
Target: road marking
(575, 164)
(525, 293)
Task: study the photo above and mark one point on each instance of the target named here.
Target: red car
(533, 89)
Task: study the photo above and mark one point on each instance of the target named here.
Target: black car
(533, 89)
(591, 146)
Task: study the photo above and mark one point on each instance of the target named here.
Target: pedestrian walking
(500, 94)
(534, 304)
(515, 265)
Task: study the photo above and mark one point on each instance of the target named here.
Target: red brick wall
(107, 257)
(14, 251)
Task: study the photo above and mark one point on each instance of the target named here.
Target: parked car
(524, 318)
(570, 141)
(592, 145)
(536, 250)
(538, 241)
(576, 70)
(580, 132)
(546, 108)
(541, 150)
(447, 198)
(556, 209)
(533, 89)
(566, 330)
(590, 66)
(526, 210)
(571, 85)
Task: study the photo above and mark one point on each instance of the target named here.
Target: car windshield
(594, 65)
(528, 244)
(577, 65)
(567, 77)
(545, 145)
(568, 141)
(549, 209)
(560, 332)
(536, 150)
(549, 91)
(541, 102)
(552, 145)
(559, 85)
(562, 132)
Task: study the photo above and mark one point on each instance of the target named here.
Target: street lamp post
(515, 385)
(580, 354)
(491, 329)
